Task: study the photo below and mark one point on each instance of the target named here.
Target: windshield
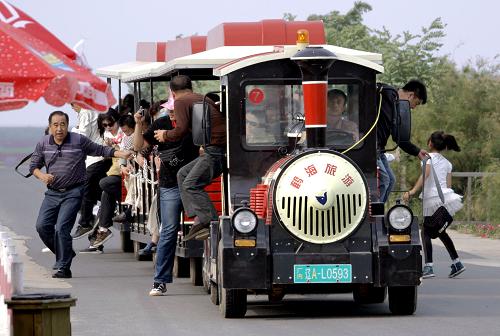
(273, 111)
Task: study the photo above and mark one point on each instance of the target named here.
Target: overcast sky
(111, 28)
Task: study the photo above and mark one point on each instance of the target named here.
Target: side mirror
(200, 124)
(402, 122)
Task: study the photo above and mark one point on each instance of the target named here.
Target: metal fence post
(469, 198)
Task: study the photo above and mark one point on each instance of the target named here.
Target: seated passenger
(111, 185)
(337, 101)
(196, 175)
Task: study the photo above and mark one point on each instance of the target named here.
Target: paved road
(112, 292)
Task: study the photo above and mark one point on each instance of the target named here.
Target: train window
(272, 111)
(342, 115)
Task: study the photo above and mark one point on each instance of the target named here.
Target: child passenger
(438, 142)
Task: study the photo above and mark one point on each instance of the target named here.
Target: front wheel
(232, 302)
(403, 300)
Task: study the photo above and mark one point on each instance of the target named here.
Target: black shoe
(63, 274)
(94, 250)
(81, 231)
(456, 269)
(148, 250)
(196, 231)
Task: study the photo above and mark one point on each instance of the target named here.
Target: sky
(111, 28)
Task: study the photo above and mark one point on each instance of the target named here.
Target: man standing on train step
(196, 175)
(416, 93)
(63, 155)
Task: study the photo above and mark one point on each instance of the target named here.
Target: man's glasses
(107, 125)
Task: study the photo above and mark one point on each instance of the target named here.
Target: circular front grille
(320, 197)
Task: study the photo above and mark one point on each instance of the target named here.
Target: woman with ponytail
(438, 142)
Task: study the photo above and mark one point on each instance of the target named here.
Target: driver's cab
(274, 110)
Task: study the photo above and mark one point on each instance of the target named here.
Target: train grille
(320, 197)
(312, 224)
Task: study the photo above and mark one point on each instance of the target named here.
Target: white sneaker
(158, 289)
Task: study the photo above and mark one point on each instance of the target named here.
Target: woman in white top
(438, 142)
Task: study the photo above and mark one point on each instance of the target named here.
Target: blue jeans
(55, 221)
(170, 210)
(386, 178)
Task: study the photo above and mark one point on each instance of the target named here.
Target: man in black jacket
(416, 93)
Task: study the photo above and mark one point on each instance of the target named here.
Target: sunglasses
(107, 125)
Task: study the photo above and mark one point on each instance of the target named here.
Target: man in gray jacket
(63, 155)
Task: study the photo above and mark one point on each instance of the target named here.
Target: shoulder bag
(437, 223)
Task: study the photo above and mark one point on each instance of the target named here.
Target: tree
(463, 102)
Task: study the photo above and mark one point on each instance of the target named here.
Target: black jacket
(386, 121)
(168, 174)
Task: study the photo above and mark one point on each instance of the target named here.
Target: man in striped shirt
(63, 155)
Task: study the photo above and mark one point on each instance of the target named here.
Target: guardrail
(468, 194)
(11, 277)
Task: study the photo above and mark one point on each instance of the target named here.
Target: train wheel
(214, 293)
(137, 247)
(127, 244)
(205, 277)
(181, 267)
(232, 302)
(195, 271)
(403, 300)
(367, 293)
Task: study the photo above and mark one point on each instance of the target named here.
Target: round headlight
(244, 220)
(399, 217)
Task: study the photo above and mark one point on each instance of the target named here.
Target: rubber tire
(403, 300)
(181, 267)
(214, 293)
(137, 247)
(127, 245)
(205, 279)
(232, 302)
(195, 271)
(368, 294)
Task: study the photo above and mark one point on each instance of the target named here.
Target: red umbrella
(30, 69)
(22, 21)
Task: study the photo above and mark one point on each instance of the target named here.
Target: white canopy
(117, 71)
(227, 59)
(204, 60)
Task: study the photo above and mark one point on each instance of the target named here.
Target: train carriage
(299, 210)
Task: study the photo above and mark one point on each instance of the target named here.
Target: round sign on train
(256, 96)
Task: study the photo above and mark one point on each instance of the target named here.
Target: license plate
(322, 273)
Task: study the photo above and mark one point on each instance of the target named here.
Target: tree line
(463, 100)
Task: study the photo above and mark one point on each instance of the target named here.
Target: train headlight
(399, 217)
(244, 220)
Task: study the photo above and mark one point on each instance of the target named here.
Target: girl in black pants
(438, 142)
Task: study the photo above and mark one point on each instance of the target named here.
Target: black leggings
(448, 243)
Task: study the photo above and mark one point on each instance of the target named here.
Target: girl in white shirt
(438, 142)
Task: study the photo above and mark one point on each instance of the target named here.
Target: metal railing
(468, 195)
